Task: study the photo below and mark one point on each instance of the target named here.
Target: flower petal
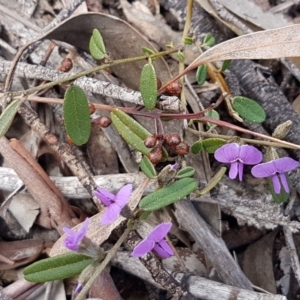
(73, 240)
(285, 164)
(227, 153)
(233, 170)
(240, 171)
(123, 195)
(105, 196)
(163, 249)
(284, 182)
(264, 170)
(276, 184)
(111, 214)
(249, 155)
(143, 248)
(159, 232)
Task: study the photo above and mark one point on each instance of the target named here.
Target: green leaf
(197, 147)
(225, 65)
(147, 50)
(212, 144)
(147, 167)
(130, 130)
(249, 109)
(212, 114)
(148, 86)
(169, 194)
(283, 196)
(57, 268)
(180, 56)
(77, 115)
(209, 40)
(185, 172)
(189, 41)
(8, 115)
(201, 74)
(96, 46)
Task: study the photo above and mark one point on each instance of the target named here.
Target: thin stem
(107, 259)
(87, 72)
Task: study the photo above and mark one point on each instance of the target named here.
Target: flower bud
(103, 121)
(150, 141)
(155, 155)
(182, 149)
(173, 139)
(66, 65)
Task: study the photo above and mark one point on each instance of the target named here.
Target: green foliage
(180, 56)
(169, 194)
(210, 145)
(201, 74)
(8, 115)
(147, 50)
(214, 115)
(185, 172)
(57, 268)
(189, 41)
(96, 45)
(209, 40)
(130, 130)
(147, 167)
(148, 86)
(225, 65)
(196, 147)
(77, 115)
(248, 109)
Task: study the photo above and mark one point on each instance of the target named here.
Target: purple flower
(155, 241)
(114, 203)
(237, 156)
(73, 240)
(274, 168)
(78, 288)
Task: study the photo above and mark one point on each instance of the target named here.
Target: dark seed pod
(150, 141)
(155, 155)
(182, 149)
(92, 108)
(172, 139)
(66, 65)
(104, 121)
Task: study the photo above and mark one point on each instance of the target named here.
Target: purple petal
(106, 197)
(233, 170)
(73, 240)
(142, 248)
(227, 153)
(264, 170)
(78, 288)
(285, 164)
(159, 232)
(241, 171)
(111, 214)
(284, 182)
(276, 183)
(163, 249)
(249, 155)
(123, 195)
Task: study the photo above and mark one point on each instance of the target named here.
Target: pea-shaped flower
(238, 156)
(276, 169)
(155, 241)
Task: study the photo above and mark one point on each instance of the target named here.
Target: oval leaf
(212, 144)
(96, 45)
(148, 86)
(225, 65)
(283, 196)
(130, 130)
(57, 268)
(77, 115)
(185, 172)
(197, 147)
(201, 74)
(248, 109)
(209, 40)
(147, 167)
(212, 114)
(8, 115)
(169, 194)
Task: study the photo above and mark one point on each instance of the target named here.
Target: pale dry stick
(289, 240)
